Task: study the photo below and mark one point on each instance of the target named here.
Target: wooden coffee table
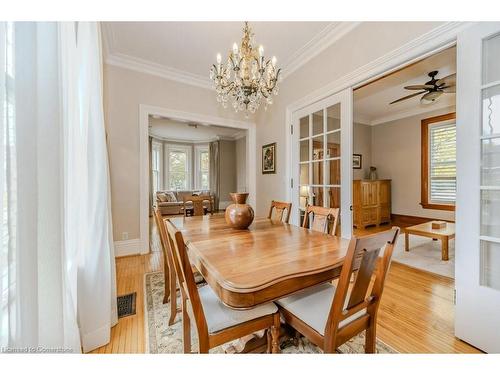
(425, 230)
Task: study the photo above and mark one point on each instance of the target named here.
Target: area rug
(164, 339)
(425, 254)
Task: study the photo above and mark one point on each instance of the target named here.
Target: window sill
(435, 206)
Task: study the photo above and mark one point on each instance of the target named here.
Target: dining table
(265, 262)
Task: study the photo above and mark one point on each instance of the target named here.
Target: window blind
(442, 160)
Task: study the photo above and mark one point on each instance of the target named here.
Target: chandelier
(246, 78)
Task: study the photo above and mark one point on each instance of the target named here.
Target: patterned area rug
(162, 338)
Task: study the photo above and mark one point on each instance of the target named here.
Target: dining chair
(170, 275)
(278, 209)
(323, 219)
(197, 204)
(329, 316)
(170, 291)
(215, 322)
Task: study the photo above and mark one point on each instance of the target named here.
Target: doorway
(145, 112)
(404, 146)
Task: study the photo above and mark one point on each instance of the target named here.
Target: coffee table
(425, 230)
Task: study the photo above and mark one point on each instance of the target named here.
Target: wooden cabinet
(371, 202)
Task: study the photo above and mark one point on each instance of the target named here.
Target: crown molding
(315, 46)
(443, 36)
(125, 61)
(194, 142)
(409, 113)
(321, 41)
(144, 66)
(239, 135)
(360, 118)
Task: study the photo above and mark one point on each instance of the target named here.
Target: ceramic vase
(239, 215)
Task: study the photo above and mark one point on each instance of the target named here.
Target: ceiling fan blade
(449, 89)
(448, 80)
(408, 97)
(431, 97)
(418, 87)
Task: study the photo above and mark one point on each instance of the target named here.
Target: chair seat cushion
(219, 316)
(312, 306)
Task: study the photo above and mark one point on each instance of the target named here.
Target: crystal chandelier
(246, 78)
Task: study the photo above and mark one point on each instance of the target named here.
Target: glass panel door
(477, 270)
(322, 165)
(490, 164)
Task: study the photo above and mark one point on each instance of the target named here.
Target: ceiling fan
(432, 89)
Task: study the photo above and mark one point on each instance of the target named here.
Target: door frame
(432, 42)
(144, 112)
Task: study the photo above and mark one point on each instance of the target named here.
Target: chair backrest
(162, 231)
(323, 219)
(186, 279)
(159, 222)
(278, 209)
(197, 201)
(363, 256)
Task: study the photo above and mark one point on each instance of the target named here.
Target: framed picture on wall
(269, 158)
(356, 161)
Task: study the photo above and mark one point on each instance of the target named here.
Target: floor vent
(126, 304)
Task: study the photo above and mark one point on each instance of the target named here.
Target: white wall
(396, 150)
(361, 46)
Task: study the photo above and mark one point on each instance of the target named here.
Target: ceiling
(371, 102)
(180, 131)
(186, 50)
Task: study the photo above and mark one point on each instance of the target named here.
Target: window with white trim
(202, 181)
(178, 167)
(156, 166)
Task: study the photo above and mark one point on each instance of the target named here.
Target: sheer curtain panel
(57, 270)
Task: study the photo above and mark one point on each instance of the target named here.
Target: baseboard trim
(413, 220)
(128, 247)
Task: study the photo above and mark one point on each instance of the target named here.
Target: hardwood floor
(416, 313)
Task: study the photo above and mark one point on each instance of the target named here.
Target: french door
(477, 315)
(321, 154)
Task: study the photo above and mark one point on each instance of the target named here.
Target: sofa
(169, 202)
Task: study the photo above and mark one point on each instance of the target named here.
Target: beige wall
(124, 91)
(227, 170)
(364, 44)
(241, 165)
(396, 154)
(362, 144)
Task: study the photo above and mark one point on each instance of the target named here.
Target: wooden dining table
(263, 263)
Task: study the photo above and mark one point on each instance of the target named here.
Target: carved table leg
(275, 334)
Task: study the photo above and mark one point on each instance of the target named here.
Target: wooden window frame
(424, 163)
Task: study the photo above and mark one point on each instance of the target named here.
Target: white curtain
(88, 230)
(57, 270)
